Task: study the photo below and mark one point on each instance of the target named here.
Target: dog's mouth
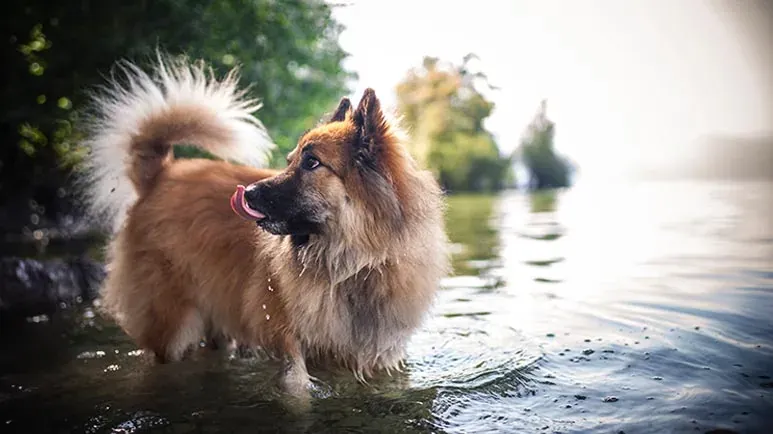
(273, 223)
(240, 206)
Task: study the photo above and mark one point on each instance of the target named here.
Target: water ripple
(614, 308)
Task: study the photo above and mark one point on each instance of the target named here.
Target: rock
(31, 286)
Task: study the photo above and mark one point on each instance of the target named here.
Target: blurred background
(609, 171)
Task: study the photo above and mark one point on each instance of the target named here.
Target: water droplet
(89, 355)
(264, 307)
(268, 317)
(38, 318)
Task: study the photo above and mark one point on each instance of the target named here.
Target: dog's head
(345, 174)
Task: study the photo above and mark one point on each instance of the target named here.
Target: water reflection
(640, 299)
(542, 201)
(472, 233)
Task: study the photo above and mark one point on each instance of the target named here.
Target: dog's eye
(309, 163)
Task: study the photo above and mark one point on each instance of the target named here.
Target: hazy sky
(635, 81)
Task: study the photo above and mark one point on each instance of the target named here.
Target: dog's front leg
(294, 377)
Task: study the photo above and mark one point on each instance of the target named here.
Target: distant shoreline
(720, 158)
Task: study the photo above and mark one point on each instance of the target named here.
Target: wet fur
(183, 266)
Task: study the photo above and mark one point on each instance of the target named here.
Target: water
(637, 308)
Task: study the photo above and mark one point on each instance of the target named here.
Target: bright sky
(632, 81)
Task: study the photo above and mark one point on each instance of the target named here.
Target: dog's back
(168, 274)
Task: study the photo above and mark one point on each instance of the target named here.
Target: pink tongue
(240, 207)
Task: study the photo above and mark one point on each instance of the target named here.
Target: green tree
(445, 112)
(288, 53)
(537, 149)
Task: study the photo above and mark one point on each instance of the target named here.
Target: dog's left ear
(343, 111)
(370, 121)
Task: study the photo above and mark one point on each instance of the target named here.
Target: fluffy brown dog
(343, 263)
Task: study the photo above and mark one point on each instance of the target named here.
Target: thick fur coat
(345, 258)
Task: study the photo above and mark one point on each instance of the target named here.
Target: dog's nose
(251, 193)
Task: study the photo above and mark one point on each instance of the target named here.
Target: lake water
(636, 308)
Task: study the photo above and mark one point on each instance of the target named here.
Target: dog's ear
(371, 146)
(343, 111)
(370, 122)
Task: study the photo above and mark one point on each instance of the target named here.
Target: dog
(334, 260)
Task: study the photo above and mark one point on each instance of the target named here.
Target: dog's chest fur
(357, 320)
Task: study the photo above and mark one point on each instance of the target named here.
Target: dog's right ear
(343, 111)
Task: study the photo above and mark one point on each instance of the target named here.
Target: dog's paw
(296, 387)
(296, 382)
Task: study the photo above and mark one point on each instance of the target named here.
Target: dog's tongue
(240, 207)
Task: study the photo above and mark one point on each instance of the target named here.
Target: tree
(288, 53)
(546, 168)
(445, 112)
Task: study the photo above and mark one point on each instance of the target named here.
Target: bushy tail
(132, 126)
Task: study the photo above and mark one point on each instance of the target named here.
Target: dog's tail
(132, 127)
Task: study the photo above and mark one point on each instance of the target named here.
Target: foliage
(445, 112)
(288, 52)
(547, 169)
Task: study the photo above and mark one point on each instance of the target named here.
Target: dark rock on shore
(31, 286)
